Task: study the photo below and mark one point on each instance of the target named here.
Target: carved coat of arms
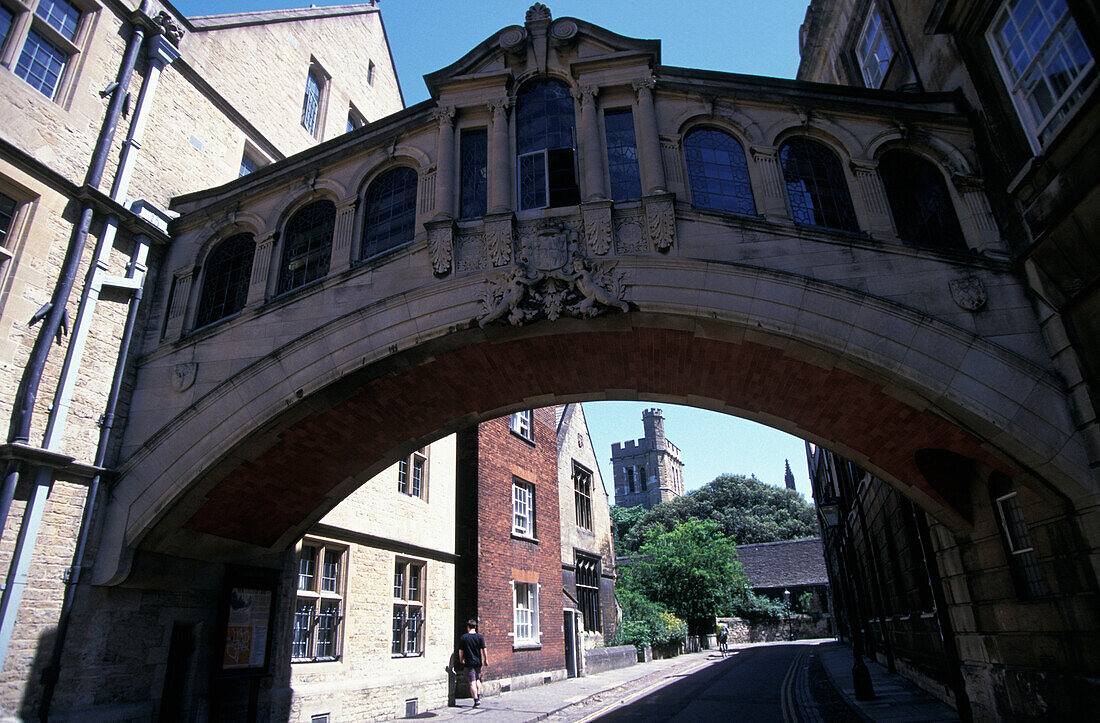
(552, 278)
(968, 293)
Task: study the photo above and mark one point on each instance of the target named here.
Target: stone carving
(513, 39)
(597, 229)
(470, 254)
(660, 221)
(439, 246)
(563, 31)
(538, 11)
(169, 28)
(629, 236)
(183, 376)
(444, 115)
(968, 293)
(555, 280)
(498, 240)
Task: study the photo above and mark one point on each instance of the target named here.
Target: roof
(784, 564)
(260, 17)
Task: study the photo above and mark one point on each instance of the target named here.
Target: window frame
(473, 195)
(407, 474)
(695, 173)
(588, 592)
(522, 424)
(629, 186)
(826, 208)
(405, 602)
(1022, 561)
(867, 59)
(523, 507)
(318, 598)
(554, 159)
(319, 254)
(388, 244)
(1039, 132)
(530, 592)
(582, 495)
(243, 277)
(323, 80)
(356, 120)
(12, 241)
(73, 48)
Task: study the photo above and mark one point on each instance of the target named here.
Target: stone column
(591, 158)
(500, 162)
(649, 143)
(261, 269)
(976, 216)
(343, 233)
(774, 195)
(878, 221)
(445, 162)
(181, 293)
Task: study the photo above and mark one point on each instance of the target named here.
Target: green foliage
(690, 570)
(646, 622)
(757, 608)
(805, 600)
(744, 509)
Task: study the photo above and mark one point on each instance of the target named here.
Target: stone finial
(538, 11)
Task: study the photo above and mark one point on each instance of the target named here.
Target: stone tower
(649, 470)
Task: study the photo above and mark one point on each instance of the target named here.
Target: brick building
(647, 471)
(111, 109)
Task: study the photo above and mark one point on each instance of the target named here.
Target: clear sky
(739, 36)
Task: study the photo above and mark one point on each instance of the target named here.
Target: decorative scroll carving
(968, 293)
(597, 227)
(440, 245)
(498, 240)
(660, 221)
(513, 40)
(555, 280)
(563, 31)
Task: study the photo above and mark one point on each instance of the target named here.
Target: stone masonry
(650, 470)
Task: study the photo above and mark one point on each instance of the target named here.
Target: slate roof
(784, 564)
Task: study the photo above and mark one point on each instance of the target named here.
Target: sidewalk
(896, 699)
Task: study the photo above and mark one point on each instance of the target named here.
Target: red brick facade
(487, 467)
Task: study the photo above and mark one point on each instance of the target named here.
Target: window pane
(330, 575)
(6, 19)
(521, 508)
(399, 581)
(919, 200)
(307, 564)
(522, 630)
(413, 630)
(622, 155)
(417, 477)
(532, 181)
(391, 212)
(873, 51)
(303, 618)
(311, 102)
(248, 165)
(582, 494)
(398, 629)
(545, 139)
(403, 476)
(227, 272)
(475, 163)
(718, 172)
(7, 215)
(41, 64)
(816, 185)
(307, 248)
(63, 16)
(327, 621)
(414, 582)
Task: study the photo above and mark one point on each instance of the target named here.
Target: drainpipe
(32, 374)
(159, 53)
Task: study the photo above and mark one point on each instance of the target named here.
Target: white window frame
(523, 508)
(525, 619)
(312, 591)
(406, 600)
(11, 47)
(1040, 130)
(871, 38)
(522, 424)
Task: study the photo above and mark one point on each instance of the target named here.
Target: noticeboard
(247, 609)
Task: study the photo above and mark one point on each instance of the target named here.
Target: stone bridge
(736, 243)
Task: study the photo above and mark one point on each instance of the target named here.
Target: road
(780, 683)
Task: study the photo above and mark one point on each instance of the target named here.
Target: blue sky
(757, 38)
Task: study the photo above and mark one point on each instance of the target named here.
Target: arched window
(718, 172)
(390, 214)
(225, 279)
(816, 186)
(545, 139)
(919, 200)
(307, 245)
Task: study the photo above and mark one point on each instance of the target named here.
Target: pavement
(583, 699)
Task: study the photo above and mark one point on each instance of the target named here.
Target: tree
(623, 522)
(691, 570)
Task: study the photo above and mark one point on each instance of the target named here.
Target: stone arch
(936, 149)
(795, 357)
(402, 155)
(330, 191)
(213, 234)
(839, 139)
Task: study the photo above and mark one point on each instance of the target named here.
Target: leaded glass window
(226, 274)
(1044, 60)
(6, 19)
(588, 591)
(873, 50)
(582, 496)
(545, 142)
(920, 201)
(390, 215)
(7, 217)
(41, 64)
(318, 608)
(622, 155)
(475, 164)
(718, 172)
(307, 246)
(311, 101)
(816, 186)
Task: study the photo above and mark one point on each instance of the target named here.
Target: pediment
(542, 44)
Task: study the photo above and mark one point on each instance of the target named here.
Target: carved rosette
(968, 293)
(597, 227)
(440, 245)
(499, 240)
(558, 281)
(660, 221)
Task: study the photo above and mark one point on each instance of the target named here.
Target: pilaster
(976, 215)
(343, 233)
(878, 221)
(591, 157)
(445, 162)
(261, 269)
(649, 143)
(500, 162)
(774, 199)
(181, 295)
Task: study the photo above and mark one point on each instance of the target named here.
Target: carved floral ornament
(552, 278)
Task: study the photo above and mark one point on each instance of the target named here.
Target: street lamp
(790, 626)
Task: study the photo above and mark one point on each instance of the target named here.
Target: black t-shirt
(471, 645)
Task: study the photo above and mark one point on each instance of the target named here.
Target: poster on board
(248, 621)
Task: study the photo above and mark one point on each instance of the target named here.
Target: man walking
(471, 656)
